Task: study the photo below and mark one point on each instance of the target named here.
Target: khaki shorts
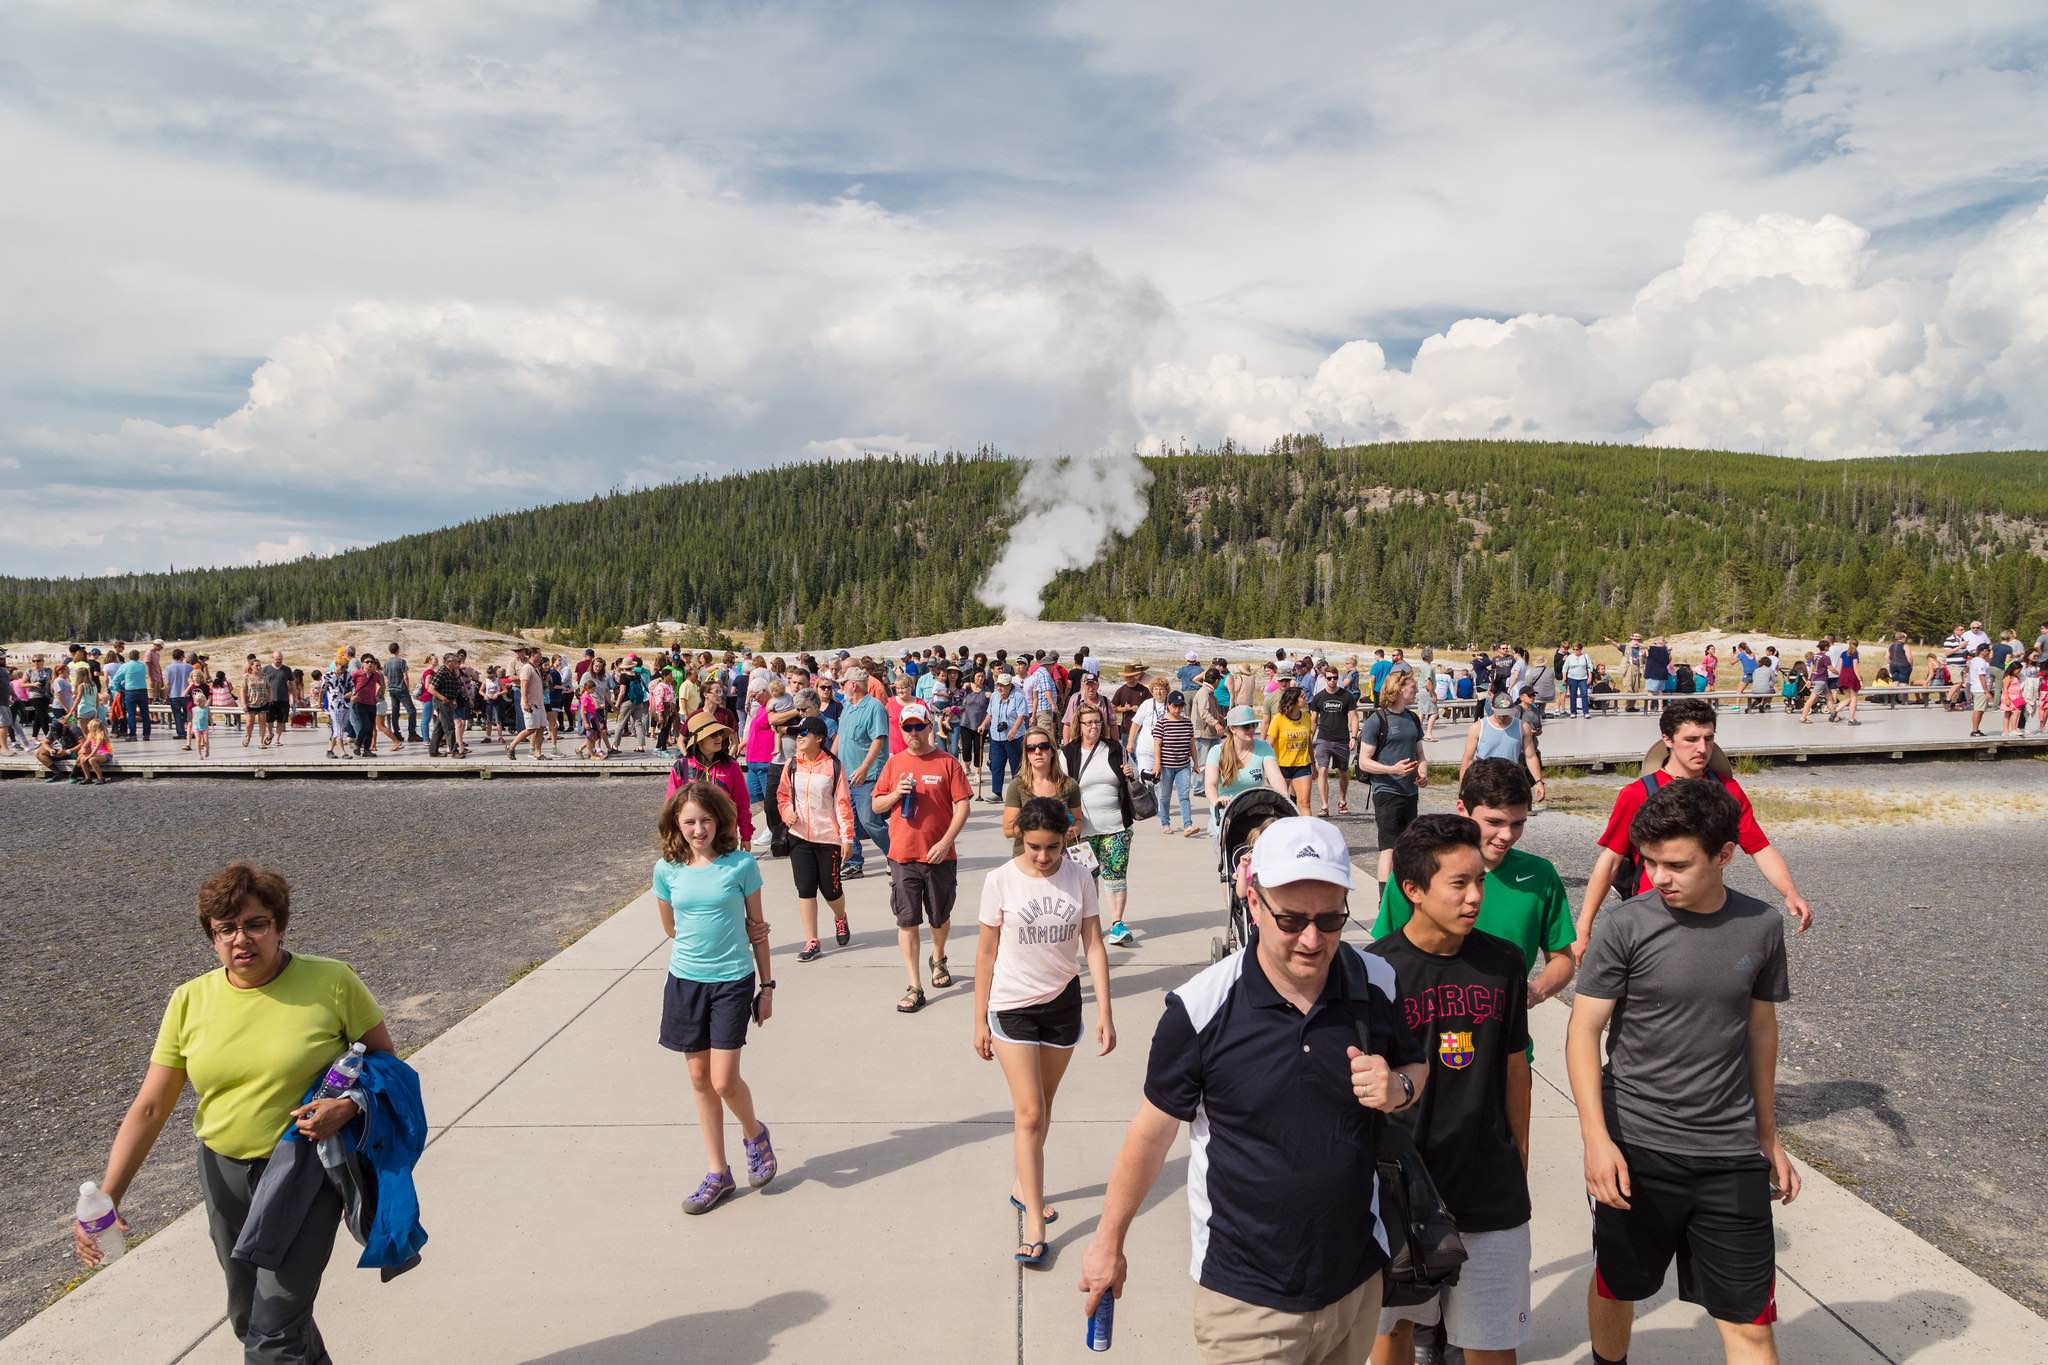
(1232, 1332)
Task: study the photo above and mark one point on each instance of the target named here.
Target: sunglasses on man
(915, 727)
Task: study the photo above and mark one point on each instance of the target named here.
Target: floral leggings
(1112, 858)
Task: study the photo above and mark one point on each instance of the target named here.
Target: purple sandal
(716, 1186)
(761, 1165)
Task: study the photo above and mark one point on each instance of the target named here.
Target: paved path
(304, 754)
(566, 1140)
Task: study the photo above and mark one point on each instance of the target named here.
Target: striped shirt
(1175, 736)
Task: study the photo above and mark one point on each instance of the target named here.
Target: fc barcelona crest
(1454, 1049)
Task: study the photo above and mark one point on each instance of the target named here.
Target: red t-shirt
(1749, 835)
(941, 781)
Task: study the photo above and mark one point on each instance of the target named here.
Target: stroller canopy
(1246, 811)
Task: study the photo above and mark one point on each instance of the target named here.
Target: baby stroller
(1246, 812)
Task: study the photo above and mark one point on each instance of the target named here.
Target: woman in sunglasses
(1043, 775)
(1239, 763)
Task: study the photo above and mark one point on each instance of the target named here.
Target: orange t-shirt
(941, 781)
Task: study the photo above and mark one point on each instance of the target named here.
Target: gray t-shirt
(394, 672)
(785, 740)
(1677, 1072)
(1401, 741)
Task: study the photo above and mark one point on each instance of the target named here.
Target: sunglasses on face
(915, 727)
(1290, 924)
(1038, 748)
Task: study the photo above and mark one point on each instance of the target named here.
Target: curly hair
(668, 826)
(224, 894)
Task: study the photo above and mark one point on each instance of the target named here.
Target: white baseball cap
(1301, 849)
(1193, 657)
(914, 711)
(1007, 679)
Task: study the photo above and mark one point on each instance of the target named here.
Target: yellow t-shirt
(1290, 739)
(250, 1054)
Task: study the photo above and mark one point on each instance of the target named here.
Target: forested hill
(1420, 541)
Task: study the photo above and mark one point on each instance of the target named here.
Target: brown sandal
(912, 1001)
(941, 977)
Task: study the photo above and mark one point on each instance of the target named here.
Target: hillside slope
(1431, 540)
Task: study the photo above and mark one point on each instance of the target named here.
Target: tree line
(1417, 541)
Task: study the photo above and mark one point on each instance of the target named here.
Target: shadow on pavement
(903, 1147)
(733, 1336)
(1819, 1099)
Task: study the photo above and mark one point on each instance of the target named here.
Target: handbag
(1144, 799)
(1425, 1252)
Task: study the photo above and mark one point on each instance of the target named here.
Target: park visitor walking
(707, 890)
(1108, 815)
(816, 806)
(1039, 921)
(924, 793)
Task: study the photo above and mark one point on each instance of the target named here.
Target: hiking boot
(716, 1186)
(761, 1165)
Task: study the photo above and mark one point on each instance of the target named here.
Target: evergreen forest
(1442, 542)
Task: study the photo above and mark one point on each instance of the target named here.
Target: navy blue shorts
(696, 1015)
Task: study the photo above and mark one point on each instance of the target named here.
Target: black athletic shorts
(1393, 812)
(816, 869)
(696, 1015)
(923, 891)
(1055, 1023)
(1713, 1213)
(1294, 772)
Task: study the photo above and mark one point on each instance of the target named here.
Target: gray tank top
(1495, 742)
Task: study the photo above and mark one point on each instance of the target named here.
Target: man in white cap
(1260, 1052)
(925, 793)
(1189, 671)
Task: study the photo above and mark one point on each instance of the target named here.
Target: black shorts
(1294, 772)
(971, 747)
(1056, 1023)
(1393, 812)
(696, 1015)
(1713, 1213)
(816, 869)
(923, 891)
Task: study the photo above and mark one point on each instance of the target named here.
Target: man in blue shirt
(1189, 671)
(1381, 666)
(863, 748)
(1009, 716)
(178, 691)
(131, 680)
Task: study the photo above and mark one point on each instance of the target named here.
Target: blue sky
(286, 279)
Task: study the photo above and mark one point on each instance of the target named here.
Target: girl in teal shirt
(708, 891)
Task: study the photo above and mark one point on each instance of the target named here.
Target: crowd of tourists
(1293, 1058)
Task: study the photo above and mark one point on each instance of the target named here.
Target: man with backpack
(1680, 1123)
(1464, 993)
(1391, 758)
(1687, 750)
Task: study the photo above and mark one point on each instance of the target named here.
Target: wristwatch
(770, 985)
(1407, 1089)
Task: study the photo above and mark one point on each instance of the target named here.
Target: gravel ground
(436, 891)
(1915, 1047)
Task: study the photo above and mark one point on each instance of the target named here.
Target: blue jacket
(374, 1157)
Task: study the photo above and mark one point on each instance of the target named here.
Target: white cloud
(312, 277)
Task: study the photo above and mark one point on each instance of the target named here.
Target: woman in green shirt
(251, 1037)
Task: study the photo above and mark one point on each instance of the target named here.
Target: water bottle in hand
(910, 803)
(343, 1075)
(96, 1215)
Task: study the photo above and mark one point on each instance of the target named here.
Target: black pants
(271, 1311)
(366, 728)
(778, 833)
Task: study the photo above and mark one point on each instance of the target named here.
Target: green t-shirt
(1524, 904)
(250, 1054)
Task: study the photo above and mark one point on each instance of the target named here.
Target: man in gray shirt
(1390, 754)
(1680, 1125)
(401, 696)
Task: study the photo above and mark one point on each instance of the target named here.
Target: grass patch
(1807, 1153)
(1749, 765)
(87, 1272)
(522, 973)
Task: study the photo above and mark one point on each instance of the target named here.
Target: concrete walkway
(567, 1137)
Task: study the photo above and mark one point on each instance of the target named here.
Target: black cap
(810, 725)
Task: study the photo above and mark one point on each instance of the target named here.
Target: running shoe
(810, 952)
(761, 1165)
(850, 871)
(841, 931)
(715, 1186)
(1119, 933)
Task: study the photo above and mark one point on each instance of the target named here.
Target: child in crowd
(1464, 992)
(1038, 917)
(93, 752)
(591, 716)
(707, 757)
(2014, 704)
(202, 722)
(708, 891)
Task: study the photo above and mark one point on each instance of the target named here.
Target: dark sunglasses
(1038, 748)
(1293, 924)
(915, 727)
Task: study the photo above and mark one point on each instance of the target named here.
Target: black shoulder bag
(1426, 1252)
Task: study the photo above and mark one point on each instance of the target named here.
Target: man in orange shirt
(924, 794)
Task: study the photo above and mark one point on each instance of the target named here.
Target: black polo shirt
(1282, 1197)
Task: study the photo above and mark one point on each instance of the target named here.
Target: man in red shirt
(924, 869)
(1688, 728)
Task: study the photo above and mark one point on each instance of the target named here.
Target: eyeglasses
(1038, 748)
(914, 727)
(1288, 923)
(251, 928)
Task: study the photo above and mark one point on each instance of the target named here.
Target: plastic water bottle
(1100, 1320)
(96, 1215)
(910, 804)
(343, 1075)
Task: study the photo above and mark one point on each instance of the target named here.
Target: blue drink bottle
(1099, 1322)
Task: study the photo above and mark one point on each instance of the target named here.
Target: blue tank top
(1495, 742)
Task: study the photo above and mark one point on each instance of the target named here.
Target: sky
(287, 279)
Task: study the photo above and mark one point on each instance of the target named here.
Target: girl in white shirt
(1038, 916)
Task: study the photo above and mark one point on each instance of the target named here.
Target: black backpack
(1425, 1252)
(1385, 716)
(1629, 875)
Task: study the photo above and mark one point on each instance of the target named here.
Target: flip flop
(1050, 1218)
(1036, 1256)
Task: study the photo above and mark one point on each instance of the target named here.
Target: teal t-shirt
(132, 676)
(859, 724)
(710, 905)
(1252, 774)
